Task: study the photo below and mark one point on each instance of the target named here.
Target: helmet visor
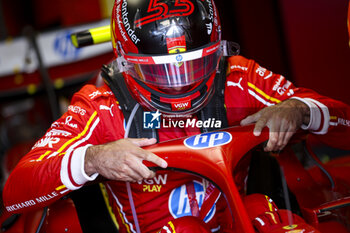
(177, 74)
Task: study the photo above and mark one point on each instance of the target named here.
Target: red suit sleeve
(55, 164)
(329, 118)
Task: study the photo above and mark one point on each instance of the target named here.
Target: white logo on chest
(233, 84)
(104, 107)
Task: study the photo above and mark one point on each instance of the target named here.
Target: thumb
(143, 141)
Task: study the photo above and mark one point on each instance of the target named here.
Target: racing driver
(170, 61)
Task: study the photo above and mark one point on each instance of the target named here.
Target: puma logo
(233, 84)
(104, 107)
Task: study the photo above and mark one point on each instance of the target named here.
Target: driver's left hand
(283, 120)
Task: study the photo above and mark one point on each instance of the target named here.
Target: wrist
(303, 108)
(89, 167)
(72, 173)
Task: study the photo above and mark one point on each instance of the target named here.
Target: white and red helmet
(168, 50)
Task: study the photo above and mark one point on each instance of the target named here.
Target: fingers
(131, 175)
(136, 155)
(143, 141)
(263, 119)
(123, 160)
(155, 159)
(147, 155)
(280, 134)
(259, 119)
(259, 125)
(283, 120)
(138, 171)
(272, 142)
(287, 137)
(128, 169)
(250, 119)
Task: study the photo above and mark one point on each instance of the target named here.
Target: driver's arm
(66, 157)
(285, 108)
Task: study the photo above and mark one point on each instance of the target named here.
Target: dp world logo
(179, 205)
(207, 140)
(151, 120)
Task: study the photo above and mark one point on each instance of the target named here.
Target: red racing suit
(55, 165)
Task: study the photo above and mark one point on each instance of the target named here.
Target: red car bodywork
(322, 192)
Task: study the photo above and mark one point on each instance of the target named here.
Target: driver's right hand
(121, 160)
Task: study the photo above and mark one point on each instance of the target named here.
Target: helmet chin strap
(203, 91)
(164, 108)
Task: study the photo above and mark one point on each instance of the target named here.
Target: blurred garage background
(306, 41)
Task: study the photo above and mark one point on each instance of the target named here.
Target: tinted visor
(176, 74)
